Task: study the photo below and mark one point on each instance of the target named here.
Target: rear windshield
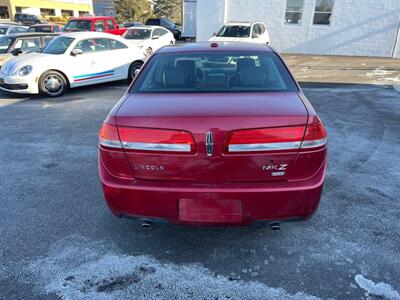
(214, 72)
(234, 31)
(153, 22)
(137, 34)
(4, 44)
(40, 29)
(78, 25)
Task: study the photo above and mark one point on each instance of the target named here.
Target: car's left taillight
(109, 137)
(156, 140)
(112, 156)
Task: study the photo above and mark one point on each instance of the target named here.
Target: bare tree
(132, 10)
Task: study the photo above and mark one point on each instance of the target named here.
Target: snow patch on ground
(376, 289)
(379, 72)
(78, 268)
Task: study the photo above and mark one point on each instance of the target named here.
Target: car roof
(214, 46)
(9, 25)
(43, 25)
(244, 23)
(92, 18)
(90, 34)
(31, 34)
(145, 27)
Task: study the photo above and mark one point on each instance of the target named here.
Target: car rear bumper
(227, 204)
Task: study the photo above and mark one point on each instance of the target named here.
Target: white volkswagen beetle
(149, 38)
(71, 60)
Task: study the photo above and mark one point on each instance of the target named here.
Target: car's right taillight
(287, 139)
(264, 139)
(315, 135)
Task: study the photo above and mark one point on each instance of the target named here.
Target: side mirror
(214, 34)
(156, 37)
(76, 52)
(16, 51)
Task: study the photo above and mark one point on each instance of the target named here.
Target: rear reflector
(266, 139)
(144, 139)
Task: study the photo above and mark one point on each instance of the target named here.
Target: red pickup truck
(102, 24)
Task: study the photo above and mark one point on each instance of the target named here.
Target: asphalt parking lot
(59, 240)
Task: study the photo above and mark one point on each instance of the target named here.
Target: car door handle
(92, 62)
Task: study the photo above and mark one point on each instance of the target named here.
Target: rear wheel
(136, 65)
(52, 84)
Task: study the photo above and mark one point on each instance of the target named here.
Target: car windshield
(4, 44)
(40, 29)
(234, 31)
(3, 30)
(78, 25)
(137, 34)
(214, 72)
(58, 45)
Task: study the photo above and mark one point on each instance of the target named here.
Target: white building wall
(31, 10)
(358, 27)
(210, 17)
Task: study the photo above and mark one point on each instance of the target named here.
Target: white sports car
(149, 38)
(250, 32)
(71, 60)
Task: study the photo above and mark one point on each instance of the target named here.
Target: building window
(323, 12)
(294, 11)
(4, 12)
(18, 9)
(67, 13)
(47, 12)
(83, 13)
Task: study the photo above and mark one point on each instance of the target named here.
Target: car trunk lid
(209, 119)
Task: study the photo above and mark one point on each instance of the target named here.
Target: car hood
(27, 59)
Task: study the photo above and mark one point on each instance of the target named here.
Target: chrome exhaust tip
(275, 226)
(147, 224)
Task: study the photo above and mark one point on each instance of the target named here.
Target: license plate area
(210, 210)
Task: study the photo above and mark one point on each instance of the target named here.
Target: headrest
(252, 76)
(175, 77)
(187, 64)
(244, 62)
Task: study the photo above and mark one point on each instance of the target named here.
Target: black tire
(52, 84)
(134, 66)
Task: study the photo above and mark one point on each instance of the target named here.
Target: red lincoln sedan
(213, 134)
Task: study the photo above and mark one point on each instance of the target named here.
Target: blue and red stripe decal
(83, 77)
